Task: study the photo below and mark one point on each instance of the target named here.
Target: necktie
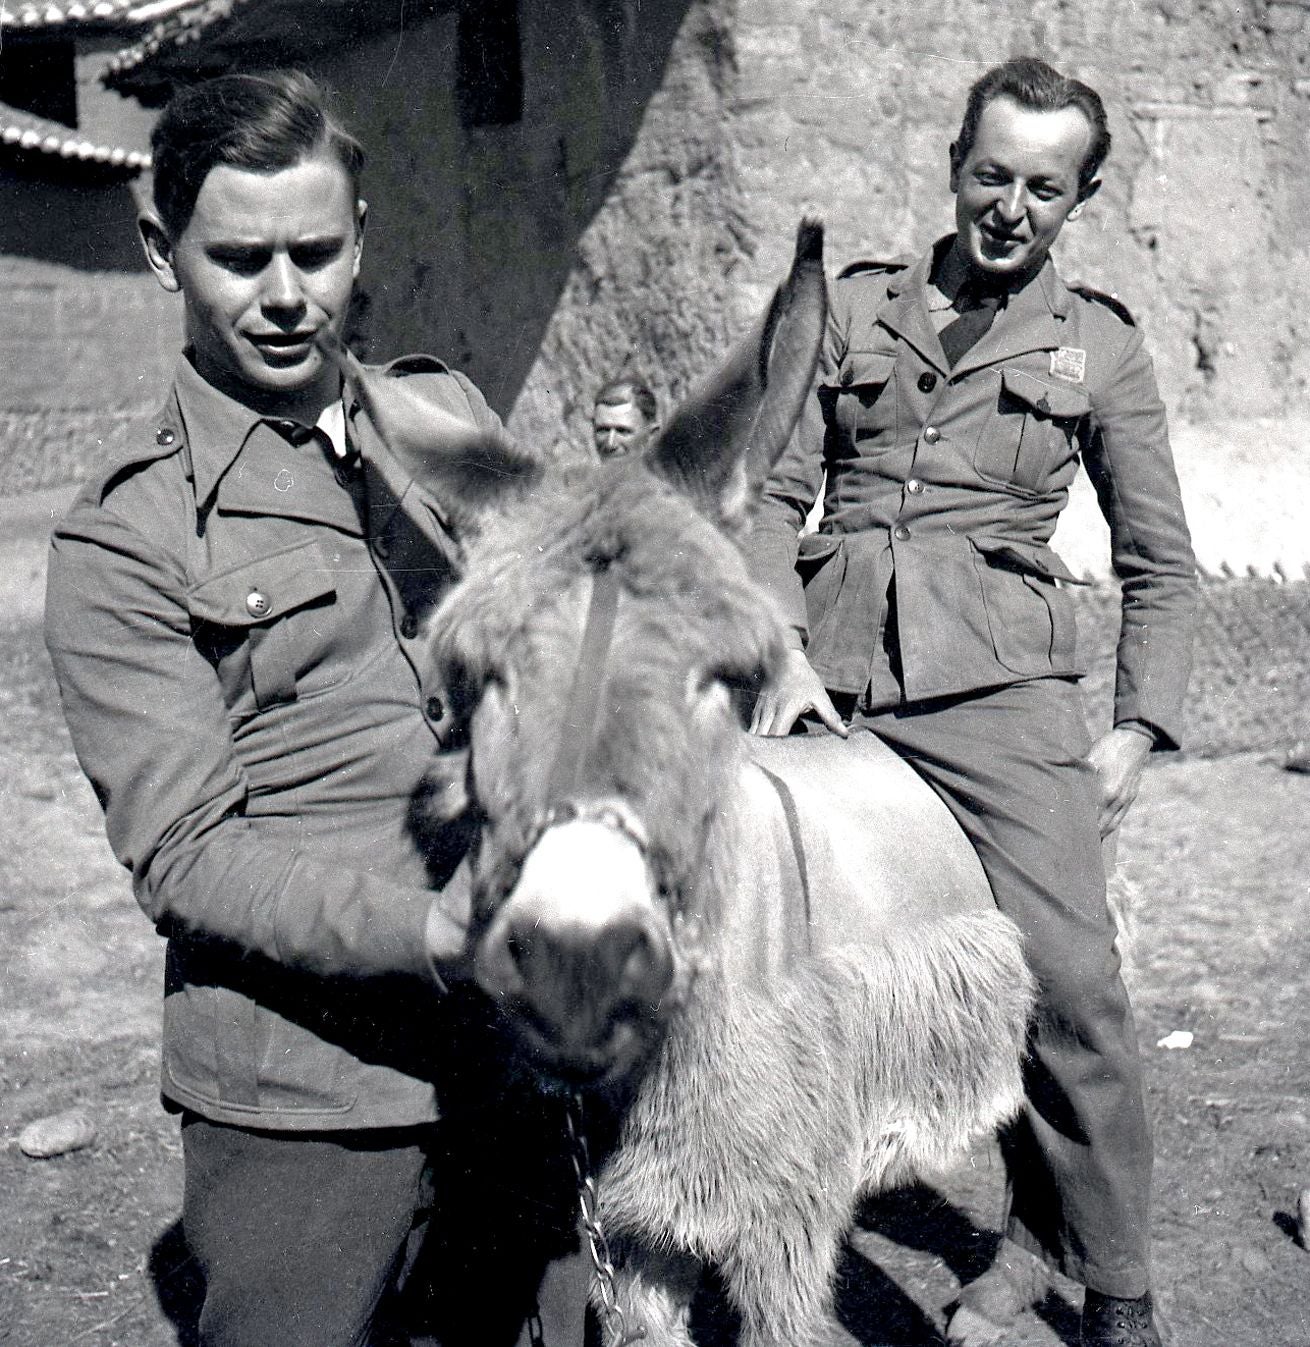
(299, 434)
(963, 332)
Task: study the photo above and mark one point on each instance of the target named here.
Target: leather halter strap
(578, 724)
(803, 917)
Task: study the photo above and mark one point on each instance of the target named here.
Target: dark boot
(1109, 1321)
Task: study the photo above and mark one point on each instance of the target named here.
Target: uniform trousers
(1010, 765)
(371, 1238)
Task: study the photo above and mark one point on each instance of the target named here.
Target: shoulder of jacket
(144, 489)
(419, 365)
(146, 440)
(1099, 297)
(449, 388)
(873, 267)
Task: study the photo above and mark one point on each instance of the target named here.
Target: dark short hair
(618, 391)
(1041, 88)
(262, 122)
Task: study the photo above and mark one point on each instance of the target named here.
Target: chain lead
(616, 1322)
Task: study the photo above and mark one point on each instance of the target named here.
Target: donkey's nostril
(518, 949)
(635, 961)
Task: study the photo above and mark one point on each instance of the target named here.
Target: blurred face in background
(619, 428)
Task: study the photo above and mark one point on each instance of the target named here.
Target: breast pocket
(268, 628)
(864, 398)
(1031, 438)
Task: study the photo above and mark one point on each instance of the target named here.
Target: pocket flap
(1046, 399)
(816, 546)
(861, 368)
(265, 588)
(1028, 558)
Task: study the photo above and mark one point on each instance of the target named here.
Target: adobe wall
(762, 109)
(87, 338)
(597, 233)
(83, 354)
(641, 210)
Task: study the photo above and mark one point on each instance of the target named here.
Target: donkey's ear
(721, 443)
(469, 469)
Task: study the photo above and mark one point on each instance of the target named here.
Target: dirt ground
(1217, 851)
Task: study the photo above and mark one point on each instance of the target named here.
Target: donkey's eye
(739, 683)
(463, 687)
(734, 686)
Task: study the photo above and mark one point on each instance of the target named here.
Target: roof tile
(26, 131)
(98, 13)
(176, 27)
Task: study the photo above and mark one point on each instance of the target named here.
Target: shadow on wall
(493, 143)
(86, 336)
(87, 224)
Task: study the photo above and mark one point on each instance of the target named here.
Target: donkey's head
(592, 651)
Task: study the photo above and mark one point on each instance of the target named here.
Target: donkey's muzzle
(579, 957)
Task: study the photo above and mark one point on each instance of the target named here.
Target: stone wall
(669, 149)
(82, 354)
(86, 336)
(639, 212)
(598, 233)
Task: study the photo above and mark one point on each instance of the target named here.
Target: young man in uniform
(956, 394)
(624, 418)
(235, 616)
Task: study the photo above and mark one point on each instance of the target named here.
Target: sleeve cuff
(1144, 728)
(446, 947)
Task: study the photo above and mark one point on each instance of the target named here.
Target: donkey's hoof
(987, 1308)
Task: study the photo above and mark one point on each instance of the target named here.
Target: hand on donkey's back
(795, 690)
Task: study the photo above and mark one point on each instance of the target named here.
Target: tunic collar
(1029, 321)
(257, 464)
(216, 427)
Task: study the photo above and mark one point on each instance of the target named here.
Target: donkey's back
(876, 847)
(860, 1021)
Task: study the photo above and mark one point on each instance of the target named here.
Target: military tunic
(952, 482)
(236, 621)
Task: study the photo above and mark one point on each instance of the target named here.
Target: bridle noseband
(617, 820)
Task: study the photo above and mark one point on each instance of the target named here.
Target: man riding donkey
(955, 396)
(235, 617)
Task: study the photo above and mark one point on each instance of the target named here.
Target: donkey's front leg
(654, 1291)
(783, 1287)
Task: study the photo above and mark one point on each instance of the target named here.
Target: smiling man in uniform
(957, 394)
(236, 618)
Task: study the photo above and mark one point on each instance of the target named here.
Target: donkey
(779, 956)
